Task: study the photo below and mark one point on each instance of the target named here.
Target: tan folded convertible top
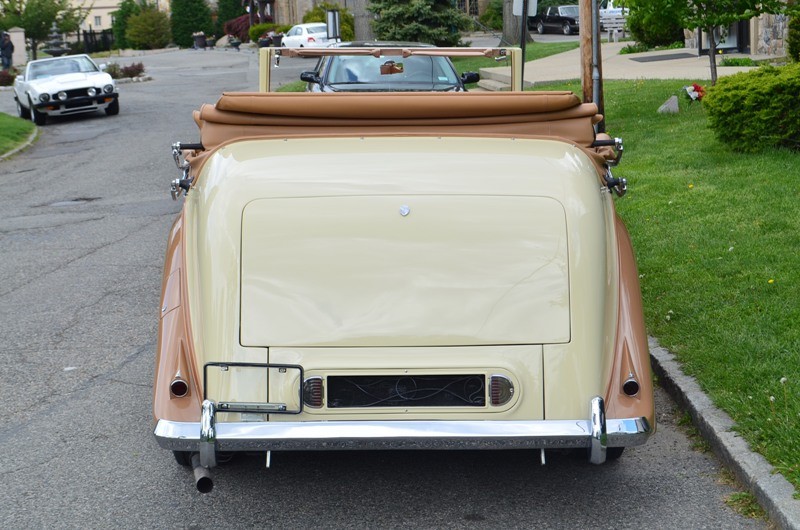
(559, 115)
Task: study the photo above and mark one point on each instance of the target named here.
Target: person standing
(6, 51)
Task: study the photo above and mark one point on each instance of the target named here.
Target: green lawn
(13, 131)
(716, 234)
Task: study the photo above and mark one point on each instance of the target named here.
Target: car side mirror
(20, 77)
(309, 77)
(470, 77)
(102, 67)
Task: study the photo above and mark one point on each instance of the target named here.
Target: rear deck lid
(436, 270)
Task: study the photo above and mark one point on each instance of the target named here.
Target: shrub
(493, 16)
(148, 30)
(227, 10)
(119, 25)
(132, 70)
(793, 37)
(737, 61)
(258, 30)
(751, 111)
(655, 22)
(435, 22)
(6, 78)
(346, 19)
(114, 70)
(239, 27)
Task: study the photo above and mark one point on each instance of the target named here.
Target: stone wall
(772, 31)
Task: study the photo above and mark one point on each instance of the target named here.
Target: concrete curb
(772, 491)
(31, 138)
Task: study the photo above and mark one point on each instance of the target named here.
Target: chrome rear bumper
(207, 436)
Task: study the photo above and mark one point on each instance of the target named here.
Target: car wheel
(39, 118)
(566, 29)
(184, 458)
(540, 28)
(113, 108)
(23, 113)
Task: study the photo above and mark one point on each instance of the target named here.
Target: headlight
(91, 91)
(62, 95)
(108, 89)
(44, 98)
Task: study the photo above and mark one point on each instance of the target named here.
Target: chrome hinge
(618, 186)
(184, 183)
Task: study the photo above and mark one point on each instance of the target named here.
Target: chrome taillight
(501, 390)
(178, 387)
(313, 392)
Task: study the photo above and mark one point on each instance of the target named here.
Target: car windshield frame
(61, 66)
(386, 72)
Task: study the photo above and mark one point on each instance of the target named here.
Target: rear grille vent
(406, 391)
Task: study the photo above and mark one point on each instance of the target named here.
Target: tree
(127, 8)
(189, 16)
(37, 17)
(431, 21)
(511, 26)
(148, 29)
(712, 15)
(346, 20)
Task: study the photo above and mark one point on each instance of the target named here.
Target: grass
(533, 51)
(13, 132)
(716, 234)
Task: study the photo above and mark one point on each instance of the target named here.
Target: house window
(98, 21)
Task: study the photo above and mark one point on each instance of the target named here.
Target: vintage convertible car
(60, 86)
(451, 275)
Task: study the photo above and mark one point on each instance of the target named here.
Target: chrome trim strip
(324, 435)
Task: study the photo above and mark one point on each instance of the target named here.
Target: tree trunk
(34, 46)
(511, 26)
(712, 54)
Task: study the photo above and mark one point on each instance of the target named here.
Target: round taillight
(179, 388)
(313, 392)
(92, 91)
(630, 387)
(62, 95)
(501, 390)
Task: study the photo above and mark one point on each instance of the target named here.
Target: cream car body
(450, 277)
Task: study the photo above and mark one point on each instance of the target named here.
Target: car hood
(70, 81)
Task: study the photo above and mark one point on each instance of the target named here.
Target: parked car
(564, 19)
(452, 275)
(385, 73)
(61, 86)
(311, 35)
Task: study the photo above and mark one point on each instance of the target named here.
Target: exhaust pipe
(202, 476)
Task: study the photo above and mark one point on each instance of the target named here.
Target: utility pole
(591, 57)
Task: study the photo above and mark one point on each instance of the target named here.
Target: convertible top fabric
(245, 115)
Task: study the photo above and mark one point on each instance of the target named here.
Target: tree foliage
(709, 15)
(36, 17)
(346, 19)
(656, 22)
(793, 38)
(431, 21)
(127, 8)
(189, 16)
(148, 29)
(227, 10)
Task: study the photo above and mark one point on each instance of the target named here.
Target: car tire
(22, 112)
(39, 118)
(184, 458)
(566, 29)
(113, 108)
(540, 27)
(613, 453)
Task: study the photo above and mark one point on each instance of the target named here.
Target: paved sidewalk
(665, 64)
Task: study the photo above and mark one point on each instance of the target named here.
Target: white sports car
(64, 85)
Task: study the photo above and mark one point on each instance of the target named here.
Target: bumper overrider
(595, 433)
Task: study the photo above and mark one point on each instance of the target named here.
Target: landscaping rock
(670, 106)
